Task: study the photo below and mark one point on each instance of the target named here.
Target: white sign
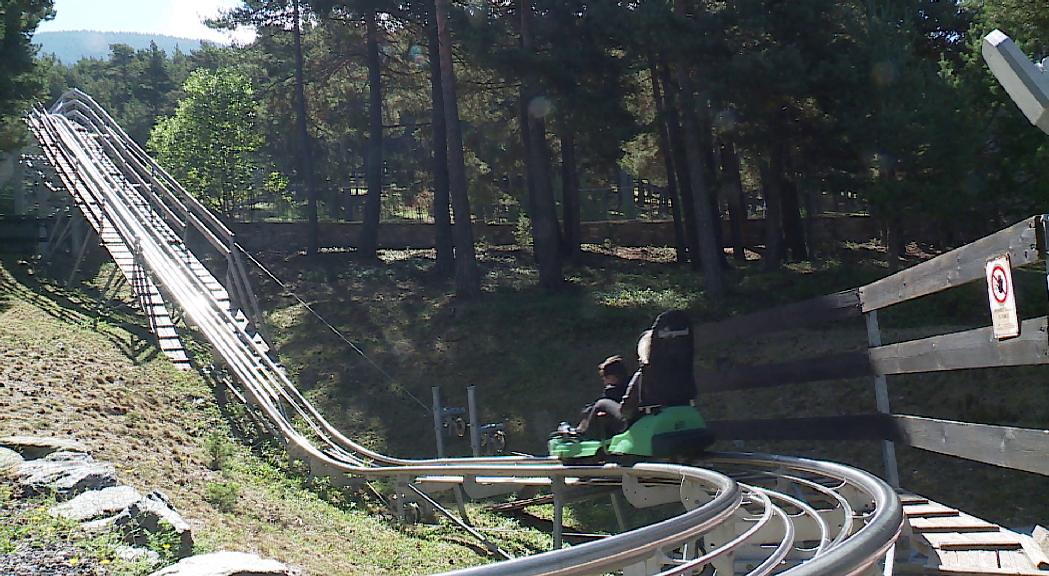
(1003, 300)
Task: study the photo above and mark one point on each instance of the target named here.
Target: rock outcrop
(227, 564)
(96, 504)
(65, 474)
(152, 515)
(33, 447)
(92, 496)
(9, 461)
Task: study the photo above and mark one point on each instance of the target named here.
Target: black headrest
(671, 324)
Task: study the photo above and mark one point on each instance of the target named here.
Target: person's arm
(630, 398)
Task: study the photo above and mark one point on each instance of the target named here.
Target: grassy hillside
(70, 368)
(70, 46)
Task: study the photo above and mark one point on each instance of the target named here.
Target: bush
(523, 232)
(219, 450)
(222, 495)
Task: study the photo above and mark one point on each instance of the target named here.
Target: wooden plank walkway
(938, 539)
(145, 290)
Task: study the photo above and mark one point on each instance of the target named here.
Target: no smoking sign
(1001, 297)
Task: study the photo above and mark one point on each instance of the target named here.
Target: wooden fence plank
(962, 350)
(831, 367)
(957, 267)
(855, 427)
(1005, 446)
(974, 541)
(810, 312)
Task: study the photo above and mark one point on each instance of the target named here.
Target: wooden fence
(1006, 446)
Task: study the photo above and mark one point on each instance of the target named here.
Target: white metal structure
(736, 513)
(1026, 82)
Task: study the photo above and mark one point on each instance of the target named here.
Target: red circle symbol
(999, 284)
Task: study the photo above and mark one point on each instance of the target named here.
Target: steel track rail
(724, 522)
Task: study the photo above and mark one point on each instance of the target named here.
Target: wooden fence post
(881, 395)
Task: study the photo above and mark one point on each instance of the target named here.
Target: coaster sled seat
(665, 432)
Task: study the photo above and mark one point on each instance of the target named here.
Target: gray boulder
(97, 503)
(151, 515)
(227, 564)
(135, 554)
(9, 461)
(33, 447)
(65, 473)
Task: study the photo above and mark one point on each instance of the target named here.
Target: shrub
(222, 495)
(219, 450)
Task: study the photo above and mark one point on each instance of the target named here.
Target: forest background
(699, 111)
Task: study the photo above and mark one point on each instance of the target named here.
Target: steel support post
(438, 425)
(112, 283)
(184, 236)
(84, 243)
(617, 508)
(558, 488)
(881, 395)
(245, 282)
(475, 426)
(47, 247)
(55, 242)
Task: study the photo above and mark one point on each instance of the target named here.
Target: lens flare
(417, 55)
(884, 73)
(540, 107)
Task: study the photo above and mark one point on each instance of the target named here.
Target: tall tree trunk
(732, 185)
(668, 162)
(677, 149)
(896, 244)
(711, 167)
(305, 154)
(709, 250)
(811, 209)
(572, 238)
(467, 276)
(793, 233)
(442, 215)
(544, 217)
(770, 184)
(893, 226)
(369, 239)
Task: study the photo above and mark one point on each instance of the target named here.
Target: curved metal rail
(755, 514)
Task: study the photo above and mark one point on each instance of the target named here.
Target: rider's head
(612, 370)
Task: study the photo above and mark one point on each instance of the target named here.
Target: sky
(183, 18)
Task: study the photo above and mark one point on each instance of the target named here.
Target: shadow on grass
(532, 355)
(20, 283)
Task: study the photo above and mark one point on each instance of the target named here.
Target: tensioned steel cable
(331, 327)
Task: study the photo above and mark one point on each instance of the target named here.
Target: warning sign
(1003, 301)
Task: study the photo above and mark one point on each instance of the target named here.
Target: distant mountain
(71, 46)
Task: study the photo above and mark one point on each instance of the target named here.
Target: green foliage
(523, 231)
(865, 105)
(102, 548)
(33, 525)
(222, 495)
(166, 542)
(211, 141)
(219, 450)
(20, 78)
